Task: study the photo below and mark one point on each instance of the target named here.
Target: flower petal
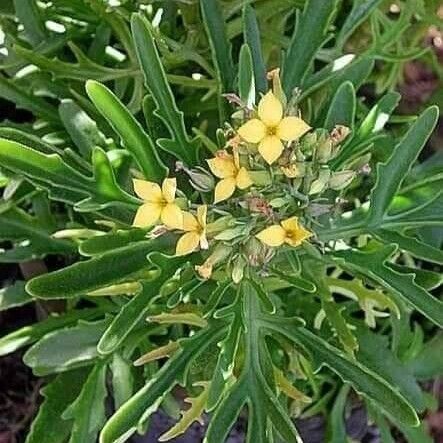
(222, 167)
(270, 148)
(169, 187)
(243, 180)
(187, 243)
(201, 215)
(172, 216)
(291, 128)
(224, 189)
(190, 223)
(147, 215)
(252, 131)
(270, 110)
(290, 224)
(272, 236)
(148, 191)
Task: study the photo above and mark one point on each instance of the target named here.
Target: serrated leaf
(193, 413)
(48, 426)
(132, 135)
(429, 362)
(155, 78)
(10, 91)
(410, 244)
(76, 347)
(361, 378)
(112, 267)
(374, 354)
(391, 174)
(372, 265)
(53, 173)
(88, 409)
(136, 309)
(146, 401)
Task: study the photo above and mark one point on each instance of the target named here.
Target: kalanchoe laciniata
(271, 175)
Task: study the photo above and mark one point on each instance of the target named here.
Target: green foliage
(279, 332)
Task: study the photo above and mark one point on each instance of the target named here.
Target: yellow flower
(195, 232)
(227, 167)
(288, 231)
(159, 204)
(270, 129)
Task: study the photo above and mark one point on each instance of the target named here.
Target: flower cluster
(269, 174)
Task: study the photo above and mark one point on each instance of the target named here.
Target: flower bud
(320, 184)
(238, 269)
(277, 88)
(200, 179)
(342, 179)
(324, 150)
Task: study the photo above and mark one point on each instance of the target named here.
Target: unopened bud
(324, 151)
(200, 179)
(320, 184)
(290, 171)
(340, 180)
(238, 269)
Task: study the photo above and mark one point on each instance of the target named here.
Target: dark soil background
(19, 389)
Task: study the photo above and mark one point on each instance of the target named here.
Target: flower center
(271, 130)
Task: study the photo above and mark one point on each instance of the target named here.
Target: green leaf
(18, 226)
(360, 11)
(28, 14)
(429, 362)
(30, 334)
(363, 380)
(22, 99)
(252, 39)
(114, 240)
(122, 379)
(337, 421)
(373, 265)
(297, 282)
(374, 354)
(104, 270)
(342, 108)
(48, 426)
(155, 78)
(309, 36)
(214, 22)
(76, 347)
(369, 131)
(391, 174)
(246, 84)
(410, 244)
(137, 308)
(255, 385)
(88, 409)
(82, 129)
(51, 172)
(13, 296)
(133, 137)
(146, 401)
